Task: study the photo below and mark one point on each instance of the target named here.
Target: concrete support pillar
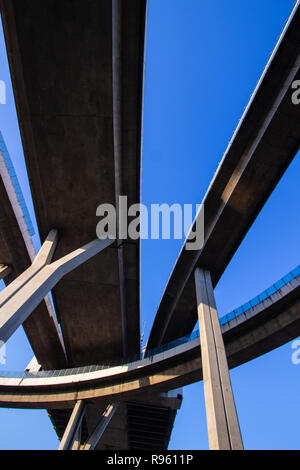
(222, 421)
(26, 298)
(72, 430)
(96, 435)
(4, 271)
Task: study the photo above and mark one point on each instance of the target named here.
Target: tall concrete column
(222, 421)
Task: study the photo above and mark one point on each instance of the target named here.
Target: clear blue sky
(202, 64)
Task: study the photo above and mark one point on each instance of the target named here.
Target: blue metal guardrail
(165, 347)
(264, 295)
(17, 187)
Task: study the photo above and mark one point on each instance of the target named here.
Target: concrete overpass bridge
(80, 119)
(265, 322)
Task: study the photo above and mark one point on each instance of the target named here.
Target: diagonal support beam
(73, 428)
(222, 421)
(104, 421)
(43, 322)
(33, 365)
(77, 438)
(4, 271)
(43, 258)
(15, 311)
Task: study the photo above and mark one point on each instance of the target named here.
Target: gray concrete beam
(15, 311)
(107, 47)
(77, 438)
(104, 421)
(43, 257)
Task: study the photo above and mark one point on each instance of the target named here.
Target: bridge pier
(222, 421)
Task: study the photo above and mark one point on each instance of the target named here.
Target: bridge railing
(15, 182)
(99, 367)
(262, 296)
(165, 347)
